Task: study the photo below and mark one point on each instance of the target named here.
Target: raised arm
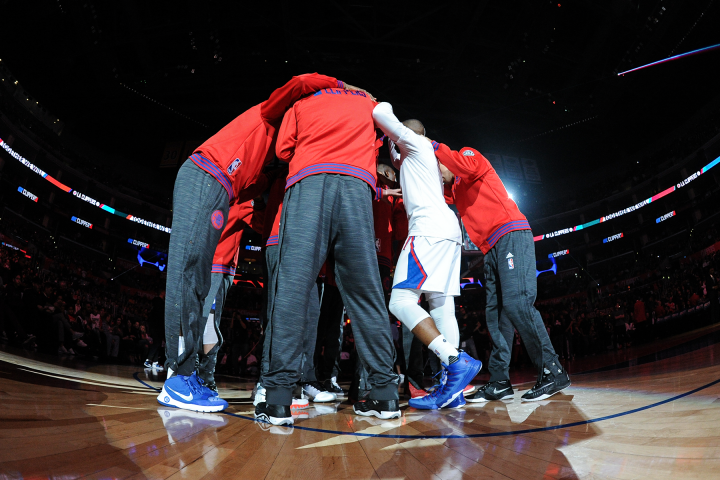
(283, 98)
(468, 163)
(386, 120)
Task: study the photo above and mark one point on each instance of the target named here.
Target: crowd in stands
(59, 301)
(638, 301)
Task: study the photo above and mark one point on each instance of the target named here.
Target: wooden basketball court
(647, 413)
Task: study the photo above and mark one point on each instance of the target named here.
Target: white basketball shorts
(429, 264)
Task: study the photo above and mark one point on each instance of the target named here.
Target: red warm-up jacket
(240, 215)
(329, 132)
(486, 209)
(236, 154)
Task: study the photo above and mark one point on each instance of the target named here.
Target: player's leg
(272, 257)
(212, 338)
(501, 333)
(303, 243)
(313, 389)
(200, 208)
(327, 346)
(358, 280)
(519, 290)
(433, 265)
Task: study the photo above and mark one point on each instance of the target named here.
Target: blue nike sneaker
(187, 392)
(459, 402)
(459, 373)
(209, 393)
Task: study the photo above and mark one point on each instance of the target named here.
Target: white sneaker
(156, 366)
(62, 350)
(299, 404)
(81, 344)
(259, 394)
(71, 351)
(317, 393)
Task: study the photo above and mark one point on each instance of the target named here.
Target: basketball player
(328, 140)
(216, 175)
(501, 231)
(224, 264)
(430, 260)
(310, 386)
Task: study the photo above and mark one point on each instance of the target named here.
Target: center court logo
(217, 219)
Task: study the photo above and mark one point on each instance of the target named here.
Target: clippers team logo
(233, 166)
(468, 153)
(217, 219)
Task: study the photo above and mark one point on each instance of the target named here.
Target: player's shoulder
(469, 152)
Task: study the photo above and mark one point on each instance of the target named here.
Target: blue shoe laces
(195, 387)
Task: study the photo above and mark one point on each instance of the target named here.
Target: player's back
(334, 133)
(422, 187)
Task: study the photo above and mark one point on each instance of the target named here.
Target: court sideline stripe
(476, 435)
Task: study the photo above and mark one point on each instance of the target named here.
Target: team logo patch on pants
(217, 219)
(511, 264)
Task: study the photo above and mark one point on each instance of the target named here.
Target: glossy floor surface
(652, 412)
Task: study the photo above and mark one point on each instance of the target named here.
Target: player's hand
(392, 192)
(351, 87)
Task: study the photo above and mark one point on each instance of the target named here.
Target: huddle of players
(325, 131)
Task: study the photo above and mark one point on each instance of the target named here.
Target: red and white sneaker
(416, 392)
(299, 404)
(469, 389)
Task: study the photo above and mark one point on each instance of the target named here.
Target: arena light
(29, 195)
(79, 195)
(631, 208)
(665, 217)
(82, 222)
(612, 238)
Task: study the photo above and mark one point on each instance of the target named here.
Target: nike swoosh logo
(187, 398)
(500, 391)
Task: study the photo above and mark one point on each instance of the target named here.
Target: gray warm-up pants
(326, 213)
(220, 283)
(200, 210)
(307, 367)
(511, 288)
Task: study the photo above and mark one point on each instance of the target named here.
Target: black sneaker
(274, 414)
(549, 383)
(384, 409)
(331, 386)
(498, 390)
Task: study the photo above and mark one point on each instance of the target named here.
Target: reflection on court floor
(655, 418)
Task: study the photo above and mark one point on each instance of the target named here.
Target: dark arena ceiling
(533, 78)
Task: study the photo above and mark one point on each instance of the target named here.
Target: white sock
(443, 349)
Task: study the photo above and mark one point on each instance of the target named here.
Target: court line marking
(476, 435)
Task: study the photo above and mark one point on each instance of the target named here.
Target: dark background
(534, 79)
